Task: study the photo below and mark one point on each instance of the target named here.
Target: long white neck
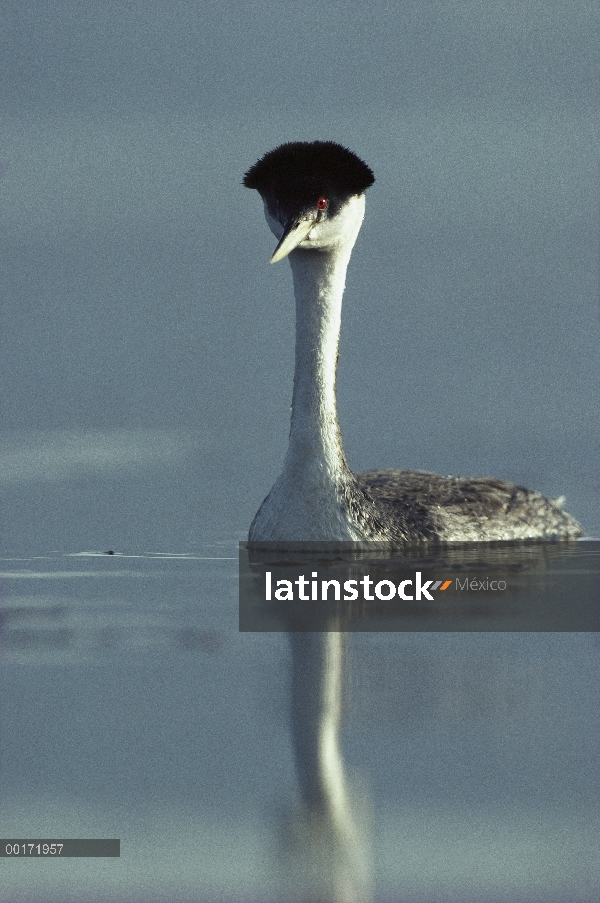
(307, 502)
(315, 441)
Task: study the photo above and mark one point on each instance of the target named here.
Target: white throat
(307, 501)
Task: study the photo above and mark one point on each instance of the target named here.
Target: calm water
(132, 707)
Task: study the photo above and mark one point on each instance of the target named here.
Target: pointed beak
(295, 232)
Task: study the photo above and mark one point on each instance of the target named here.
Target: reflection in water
(327, 849)
(483, 787)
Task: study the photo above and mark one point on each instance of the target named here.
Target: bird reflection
(325, 845)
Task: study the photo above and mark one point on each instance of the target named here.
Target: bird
(314, 203)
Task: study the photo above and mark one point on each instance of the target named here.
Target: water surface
(132, 707)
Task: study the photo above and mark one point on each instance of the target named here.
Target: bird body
(314, 199)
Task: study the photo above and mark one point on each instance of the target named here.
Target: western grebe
(314, 201)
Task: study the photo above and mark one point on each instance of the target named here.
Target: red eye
(322, 204)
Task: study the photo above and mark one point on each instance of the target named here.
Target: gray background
(147, 346)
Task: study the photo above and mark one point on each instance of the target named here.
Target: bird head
(313, 194)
